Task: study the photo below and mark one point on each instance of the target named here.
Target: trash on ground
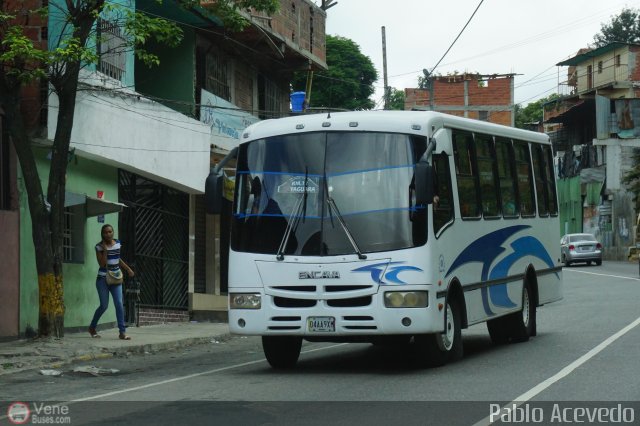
(95, 371)
(51, 372)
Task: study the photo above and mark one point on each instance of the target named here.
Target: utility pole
(384, 68)
(326, 4)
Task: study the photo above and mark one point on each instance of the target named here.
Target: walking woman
(108, 256)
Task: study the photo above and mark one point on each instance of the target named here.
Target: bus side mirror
(213, 188)
(424, 183)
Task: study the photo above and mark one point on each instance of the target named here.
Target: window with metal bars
(269, 101)
(217, 75)
(111, 49)
(73, 234)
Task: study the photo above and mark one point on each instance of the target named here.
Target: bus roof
(408, 122)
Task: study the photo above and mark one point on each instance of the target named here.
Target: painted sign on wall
(225, 120)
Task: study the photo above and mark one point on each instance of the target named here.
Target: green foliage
(141, 28)
(624, 27)
(396, 99)
(347, 84)
(632, 177)
(533, 112)
(19, 57)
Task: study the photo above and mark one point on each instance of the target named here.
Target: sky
(524, 37)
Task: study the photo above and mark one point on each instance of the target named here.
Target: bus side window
(507, 177)
(487, 174)
(466, 174)
(551, 181)
(540, 180)
(525, 178)
(443, 208)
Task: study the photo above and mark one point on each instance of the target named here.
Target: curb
(107, 353)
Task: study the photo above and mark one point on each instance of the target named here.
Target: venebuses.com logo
(18, 413)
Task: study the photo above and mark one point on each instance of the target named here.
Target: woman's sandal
(124, 337)
(94, 333)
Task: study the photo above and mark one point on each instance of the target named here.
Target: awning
(93, 206)
(576, 113)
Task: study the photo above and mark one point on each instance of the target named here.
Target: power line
(535, 38)
(457, 37)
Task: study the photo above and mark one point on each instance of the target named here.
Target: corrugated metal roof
(578, 59)
(569, 113)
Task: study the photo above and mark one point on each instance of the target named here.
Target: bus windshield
(293, 192)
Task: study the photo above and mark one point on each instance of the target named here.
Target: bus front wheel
(437, 349)
(282, 351)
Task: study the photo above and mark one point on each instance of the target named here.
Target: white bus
(389, 227)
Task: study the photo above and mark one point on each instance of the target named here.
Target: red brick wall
(450, 91)
(293, 22)
(495, 92)
(34, 27)
(634, 69)
(415, 97)
(149, 316)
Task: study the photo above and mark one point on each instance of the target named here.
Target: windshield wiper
(332, 206)
(301, 206)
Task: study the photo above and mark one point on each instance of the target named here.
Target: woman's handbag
(115, 276)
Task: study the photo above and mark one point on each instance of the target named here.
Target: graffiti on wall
(628, 118)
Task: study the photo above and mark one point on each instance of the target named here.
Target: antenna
(329, 114)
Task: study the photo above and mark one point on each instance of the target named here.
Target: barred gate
(154, 230)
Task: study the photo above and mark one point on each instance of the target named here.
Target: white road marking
(191, 376)
(177, 379)
(561, 374)
(602, 275)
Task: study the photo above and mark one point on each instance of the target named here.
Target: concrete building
(482, 97)
(142, 145)
(595, 128)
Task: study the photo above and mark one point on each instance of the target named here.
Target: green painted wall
(570, 200)
(85, 177)
(173, 82)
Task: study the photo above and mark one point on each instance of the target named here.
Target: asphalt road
(587, 353)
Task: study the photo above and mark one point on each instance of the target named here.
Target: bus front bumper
(324, 321)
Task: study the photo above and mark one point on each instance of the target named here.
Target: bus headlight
(244, 301)
(406, 299)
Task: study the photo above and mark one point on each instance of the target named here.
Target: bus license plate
(321, 324)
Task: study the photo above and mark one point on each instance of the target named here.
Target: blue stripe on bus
(253, 172)
(486, 249)
(412, 209)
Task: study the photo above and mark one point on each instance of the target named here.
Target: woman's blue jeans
(103, 293)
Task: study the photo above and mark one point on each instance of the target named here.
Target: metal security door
(154, 230)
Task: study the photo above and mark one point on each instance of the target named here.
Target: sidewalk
(51, 353)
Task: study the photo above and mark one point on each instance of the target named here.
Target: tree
(396, 99)
(533, 112)
(23, 62)
(624, 27)
(347, 84)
